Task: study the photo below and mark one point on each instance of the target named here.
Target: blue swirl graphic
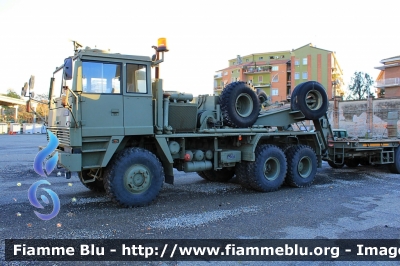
(34, 202)
(40, 158)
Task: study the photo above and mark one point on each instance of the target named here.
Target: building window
(282, 56)
(232, 71)
(233, 63)
(247, 60)
(305, 75)
(275, 78)
(225, 73)
(296, 75)
(260, 78)
(305, 61)
(271, 57)
(296, 62)
(274, 92)
(260, 58)
(238, 70)
(275, 68)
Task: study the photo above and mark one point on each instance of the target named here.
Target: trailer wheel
(96, 186)
(302, 166)
(336, 166)
(134, 177)
(395, 167)
(223, 175)
(242, 174)
(240, 105)
(354, 162)
(311, 99)
(268, 171)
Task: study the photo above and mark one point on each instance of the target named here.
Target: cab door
(138, 100)
(101, 99)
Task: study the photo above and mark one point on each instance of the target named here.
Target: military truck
(124, 134)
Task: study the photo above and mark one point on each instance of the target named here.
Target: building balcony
(391, 82)
(257, 70)
(261, 84)
(218, 75)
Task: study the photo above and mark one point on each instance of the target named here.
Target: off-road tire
(262, 96)
(240, 105)
(223, 175)
(134, 177)
(268, 171)
(395, 167)
(301, 166)
(242, 174)
(203, 175)
(311, 99)
(96, 186)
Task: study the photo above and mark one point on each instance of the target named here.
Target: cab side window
(136, 78)
(101, 77)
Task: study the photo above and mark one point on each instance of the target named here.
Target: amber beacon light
(162, 45)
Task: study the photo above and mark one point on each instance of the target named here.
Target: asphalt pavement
(347, 203)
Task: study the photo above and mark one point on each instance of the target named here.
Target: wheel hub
(271, 169)
(244, 105)
(313, 99)
(304, 168)
(137, 179)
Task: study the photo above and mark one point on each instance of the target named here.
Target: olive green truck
(123, 133)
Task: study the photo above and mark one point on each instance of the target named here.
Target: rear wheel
(268, 171)
(134, 177)
(302, 166)
(242, 174)
(203, 175)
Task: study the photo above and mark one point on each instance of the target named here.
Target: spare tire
(239, 105)
(311, 99)
(262, 96)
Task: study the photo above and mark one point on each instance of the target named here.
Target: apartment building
(278, 73)
(388, 80)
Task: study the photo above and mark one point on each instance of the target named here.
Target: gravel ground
(359, 203)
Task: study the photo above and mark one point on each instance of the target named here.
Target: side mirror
(68, 68)
(31, 83)
(24, 89)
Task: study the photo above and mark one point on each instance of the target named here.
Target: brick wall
(359, 116)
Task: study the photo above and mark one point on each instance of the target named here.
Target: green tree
(11, 93)
(359, 86)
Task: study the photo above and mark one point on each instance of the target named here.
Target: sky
(35, 36)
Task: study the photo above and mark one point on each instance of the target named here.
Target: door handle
(114, 111)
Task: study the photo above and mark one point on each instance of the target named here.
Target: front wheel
(134, 178)
(268, 171)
